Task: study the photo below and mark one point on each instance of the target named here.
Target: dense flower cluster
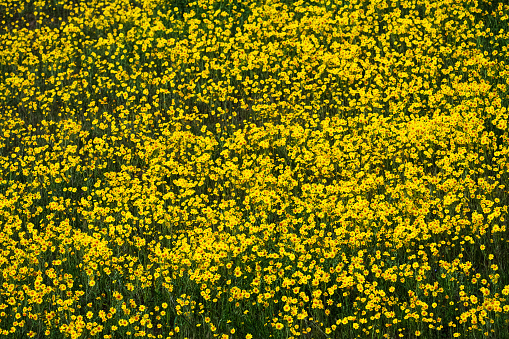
(253, 169)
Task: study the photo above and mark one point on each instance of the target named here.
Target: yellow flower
(473, 299)
(117, 295)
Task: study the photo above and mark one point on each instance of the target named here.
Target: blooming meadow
(254, 169)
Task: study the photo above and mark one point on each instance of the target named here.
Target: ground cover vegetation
(254, 169)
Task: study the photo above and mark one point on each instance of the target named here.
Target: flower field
(254, 169)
